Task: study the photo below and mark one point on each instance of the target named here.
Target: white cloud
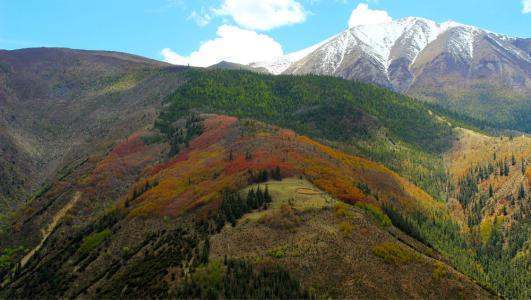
(202, 18)
(527, 6)
(363, 15)
(233, 44)
(263, 14)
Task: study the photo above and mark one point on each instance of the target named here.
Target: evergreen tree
(264, 176)
(491, 191)
(505, 169)
(174, 149)
(521, 192)
(513, 160)
(251, 199)
(267, 196)
(243, 205)
(259, 198)
(203, 257)
(276, 174)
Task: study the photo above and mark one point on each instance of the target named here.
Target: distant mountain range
(461, 67)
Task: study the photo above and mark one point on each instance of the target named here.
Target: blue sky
(259, 27)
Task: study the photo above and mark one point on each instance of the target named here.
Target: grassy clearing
(92, 241)
(394, 253)
(340, 239)
(298, 194)
(376, 212)
(472, 149)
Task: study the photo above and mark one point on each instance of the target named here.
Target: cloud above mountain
(527, 6)
(263, 14)
(232, 44)
(240, 44)
(363, 15)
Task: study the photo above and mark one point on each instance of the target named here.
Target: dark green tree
(251, 199)
(521, 192)
(505, 169)
(276, 174)
(267, 196)
(259, 197)
(205, 250)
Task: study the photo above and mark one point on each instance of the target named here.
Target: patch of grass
(92, 241)
(287, 193)
(152, 139)
(393, 253)
(439, 272)
(341, 210)
(346, 227)
(278, 252)
(210, 277)
(283, 218)
(7, 255)
(376, 212)
(124, 83)
(41, 191)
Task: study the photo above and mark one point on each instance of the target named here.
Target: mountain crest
(420, 57)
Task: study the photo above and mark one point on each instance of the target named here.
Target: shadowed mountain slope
(60, 104)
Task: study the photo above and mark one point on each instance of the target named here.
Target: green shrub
(393, 253)
(278, 252)
(93, 241)
(152, 139)
(376, 212)
(346, 227)
(439, 272)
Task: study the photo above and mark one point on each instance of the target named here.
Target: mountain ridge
(155, 146)
(389, 36)
(459, 67)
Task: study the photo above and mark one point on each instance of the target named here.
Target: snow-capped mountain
(282, 63)
(417, 56)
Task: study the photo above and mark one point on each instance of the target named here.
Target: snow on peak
(384, 42)
(461, 41)
(401, 38)
(282, 63)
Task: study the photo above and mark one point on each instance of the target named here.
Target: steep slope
(387, 136)
(147, 202)
(404, 136)
(59, 104)
(153, 240)
(385, 49)
(483, 75)
(315, 236)
(281, 64)
(490, 184)
(460, 67)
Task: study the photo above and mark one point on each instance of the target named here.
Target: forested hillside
(358, 118)
(386, 127)
(146, 211)
(155, 163)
